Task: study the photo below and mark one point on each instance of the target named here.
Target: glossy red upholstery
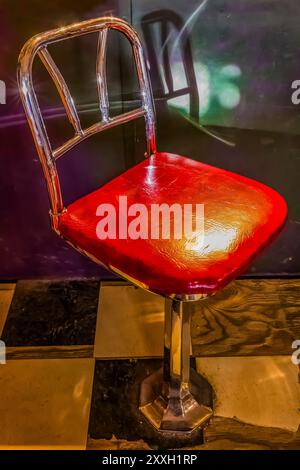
(241, 215)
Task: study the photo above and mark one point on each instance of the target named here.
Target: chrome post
(177, 346)
(166, 398)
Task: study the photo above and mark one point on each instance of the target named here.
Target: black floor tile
(114, 410)
(46, 313)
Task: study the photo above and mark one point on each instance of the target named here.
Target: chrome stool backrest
(38, 46)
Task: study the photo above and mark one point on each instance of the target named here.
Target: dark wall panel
(28, 247)
(231, 64)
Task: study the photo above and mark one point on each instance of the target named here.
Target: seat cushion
(240, 217)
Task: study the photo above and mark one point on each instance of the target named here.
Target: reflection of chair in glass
(168, 20)
(160, 30)
(241, 215)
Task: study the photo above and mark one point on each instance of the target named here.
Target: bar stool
(240, 218)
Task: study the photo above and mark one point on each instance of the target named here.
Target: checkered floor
(74, 361)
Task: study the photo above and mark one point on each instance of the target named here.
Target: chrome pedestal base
(169, 412)
(168, 397)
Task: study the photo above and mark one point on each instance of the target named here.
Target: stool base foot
(169, 409)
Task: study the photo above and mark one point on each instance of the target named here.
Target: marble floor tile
(129, 323)
(262, 391)
(45, 404)
(6, 295)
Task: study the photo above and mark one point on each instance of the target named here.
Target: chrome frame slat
(98, 127)
(101, 75)
(61, 87)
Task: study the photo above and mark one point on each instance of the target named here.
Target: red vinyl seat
(240, 217)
